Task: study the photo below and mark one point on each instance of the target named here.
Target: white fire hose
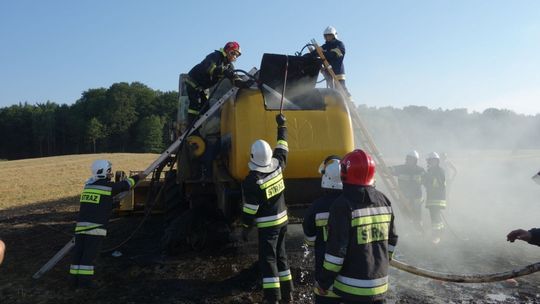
(467, 278)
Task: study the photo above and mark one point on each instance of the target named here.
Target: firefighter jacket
(334, 51)
(435, 184)
(409, 180)
(361, 240)
(264, 201)
(315, 227)
(97, 203)
(535, 236)
(212, 69)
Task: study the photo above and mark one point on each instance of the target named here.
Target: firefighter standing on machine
(435, 183)
(361, 236)
(409, 177)
(315, 222)
(334, 51)
(264, 206)
(216, 66)
(91, 228)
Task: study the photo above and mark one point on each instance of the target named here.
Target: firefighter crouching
(264, 206)
(361, 236)
(216, 66)
(315, 222)
(91, 228)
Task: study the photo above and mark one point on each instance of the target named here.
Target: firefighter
(216, 66)
(450, 172)
(409, 177)
(334, 51)
(264, 207)
(91, 228)
(533, 235)
(435, 185)
(316, 220)
(361, 236)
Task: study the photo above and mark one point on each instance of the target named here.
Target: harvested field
(485, 206)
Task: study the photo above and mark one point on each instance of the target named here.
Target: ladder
(366, 139)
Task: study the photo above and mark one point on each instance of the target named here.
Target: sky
(440, 54)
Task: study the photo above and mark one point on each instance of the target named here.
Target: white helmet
(536, 178)
(261, 157)
(413, 154)
(433, 155)
(101, 168)
(331, 171)
(330, 30)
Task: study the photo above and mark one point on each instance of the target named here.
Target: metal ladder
(366, 140)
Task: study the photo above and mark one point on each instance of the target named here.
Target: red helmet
(232, 46)
(358, 168)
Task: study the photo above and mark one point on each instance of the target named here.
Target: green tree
(149, 136)
(95, 131)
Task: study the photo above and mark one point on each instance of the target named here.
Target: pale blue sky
(449, 54)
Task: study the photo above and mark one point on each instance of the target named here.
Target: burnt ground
(35, 233)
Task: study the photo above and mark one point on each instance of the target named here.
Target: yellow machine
(319, 125)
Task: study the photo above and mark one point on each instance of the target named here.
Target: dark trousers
(197, 99)
(437, 224)
(85, 252)
(277, 279)
(327, 300)
(355, 302)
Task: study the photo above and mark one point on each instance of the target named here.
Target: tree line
(122, 118)
(131, 117)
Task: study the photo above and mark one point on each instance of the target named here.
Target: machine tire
(174, 203)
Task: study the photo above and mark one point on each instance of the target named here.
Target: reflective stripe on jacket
(315, 226)
(96, 204)
(263, 193)
(361, 237)
(435, 184)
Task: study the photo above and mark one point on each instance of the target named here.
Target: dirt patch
(141, 275)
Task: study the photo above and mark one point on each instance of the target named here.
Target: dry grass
(29, 181)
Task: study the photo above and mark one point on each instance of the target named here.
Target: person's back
(361, 235)
(435, 184)
(315, 224)
(264, 207)
(96, 204)
(209, 71)
(410, 180)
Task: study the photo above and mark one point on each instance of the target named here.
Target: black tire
(174, 203)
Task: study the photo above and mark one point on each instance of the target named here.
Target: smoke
(492, 193)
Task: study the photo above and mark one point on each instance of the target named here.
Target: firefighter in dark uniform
(409, 177)
(361, 236)
(435, 183)
(264, 207)
(531, 236)
(315, 222)
(91, 228)
(207, 73)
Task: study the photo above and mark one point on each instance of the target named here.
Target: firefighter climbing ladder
(365, 137)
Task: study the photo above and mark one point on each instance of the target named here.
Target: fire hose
(467, 278)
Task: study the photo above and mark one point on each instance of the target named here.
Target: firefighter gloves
(281, 120)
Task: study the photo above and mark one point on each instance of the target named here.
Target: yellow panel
(313, 134)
